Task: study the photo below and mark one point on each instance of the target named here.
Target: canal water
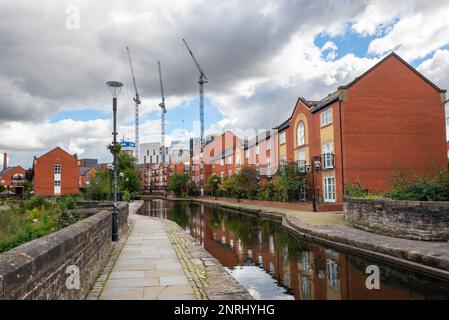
(272, 263)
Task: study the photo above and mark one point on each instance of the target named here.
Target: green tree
(229, 187)
(100, 188)
(213, 183)
(178, 184)
(126, 164)
(247, 181)
(289, 181)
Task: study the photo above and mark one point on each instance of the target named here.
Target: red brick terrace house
(13, 178)
(56, 173)
(389, 118)
(87, 175)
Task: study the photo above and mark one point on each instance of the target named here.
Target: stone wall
(39, 269)
(123, 211)
(417, 220)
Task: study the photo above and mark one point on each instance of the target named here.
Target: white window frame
(301, 135)
(57, 169)
(222, 162)
(257, 149)
(268, 144)
(326, 117)
(282, 138)
(230, 160)
(57, 187)
(329, 189)
(328, 151)
(247, 154)
(302, 159)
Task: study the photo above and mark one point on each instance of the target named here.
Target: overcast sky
(258, 55)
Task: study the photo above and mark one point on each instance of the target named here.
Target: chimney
(5, 161)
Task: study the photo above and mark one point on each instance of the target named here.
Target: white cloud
(415, 36)
(259, 59)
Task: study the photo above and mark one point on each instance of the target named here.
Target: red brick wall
(44, 173)
(392, 119)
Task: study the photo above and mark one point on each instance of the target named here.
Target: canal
(272, 263)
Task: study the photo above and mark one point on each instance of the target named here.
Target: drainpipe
(341, 152)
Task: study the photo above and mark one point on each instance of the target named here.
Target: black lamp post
(312, 168)
(115, 88)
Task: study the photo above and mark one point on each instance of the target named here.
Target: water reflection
(274, 264)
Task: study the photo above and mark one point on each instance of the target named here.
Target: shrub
(268, 192)
(355, 190)
(126, 196)
(229, 186)
(192, 189)
(66, 202)
(17, 227)
(420, 188)
(212, 185)
(37, 202)
(288, 182)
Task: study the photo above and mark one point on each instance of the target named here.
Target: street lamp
(114, 87)
(314, 167)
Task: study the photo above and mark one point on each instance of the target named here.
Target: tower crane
(163, 112)
(137, 102)
(202, 80)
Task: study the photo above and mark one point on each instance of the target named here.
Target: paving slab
(148, 267)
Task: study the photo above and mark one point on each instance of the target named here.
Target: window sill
(301, 146)
(326, 125)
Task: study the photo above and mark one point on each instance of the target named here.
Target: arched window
(300, 134)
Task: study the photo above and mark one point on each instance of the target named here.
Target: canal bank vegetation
(286, 185)
(406, 186)
(31, 219)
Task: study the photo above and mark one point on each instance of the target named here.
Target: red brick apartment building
(389, 118)
(227, 154)
(56, 173)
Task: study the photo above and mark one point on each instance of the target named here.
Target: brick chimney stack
(5, 161)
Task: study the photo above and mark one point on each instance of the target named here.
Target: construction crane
(137, 102)
(203, 79)
(163, 112)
